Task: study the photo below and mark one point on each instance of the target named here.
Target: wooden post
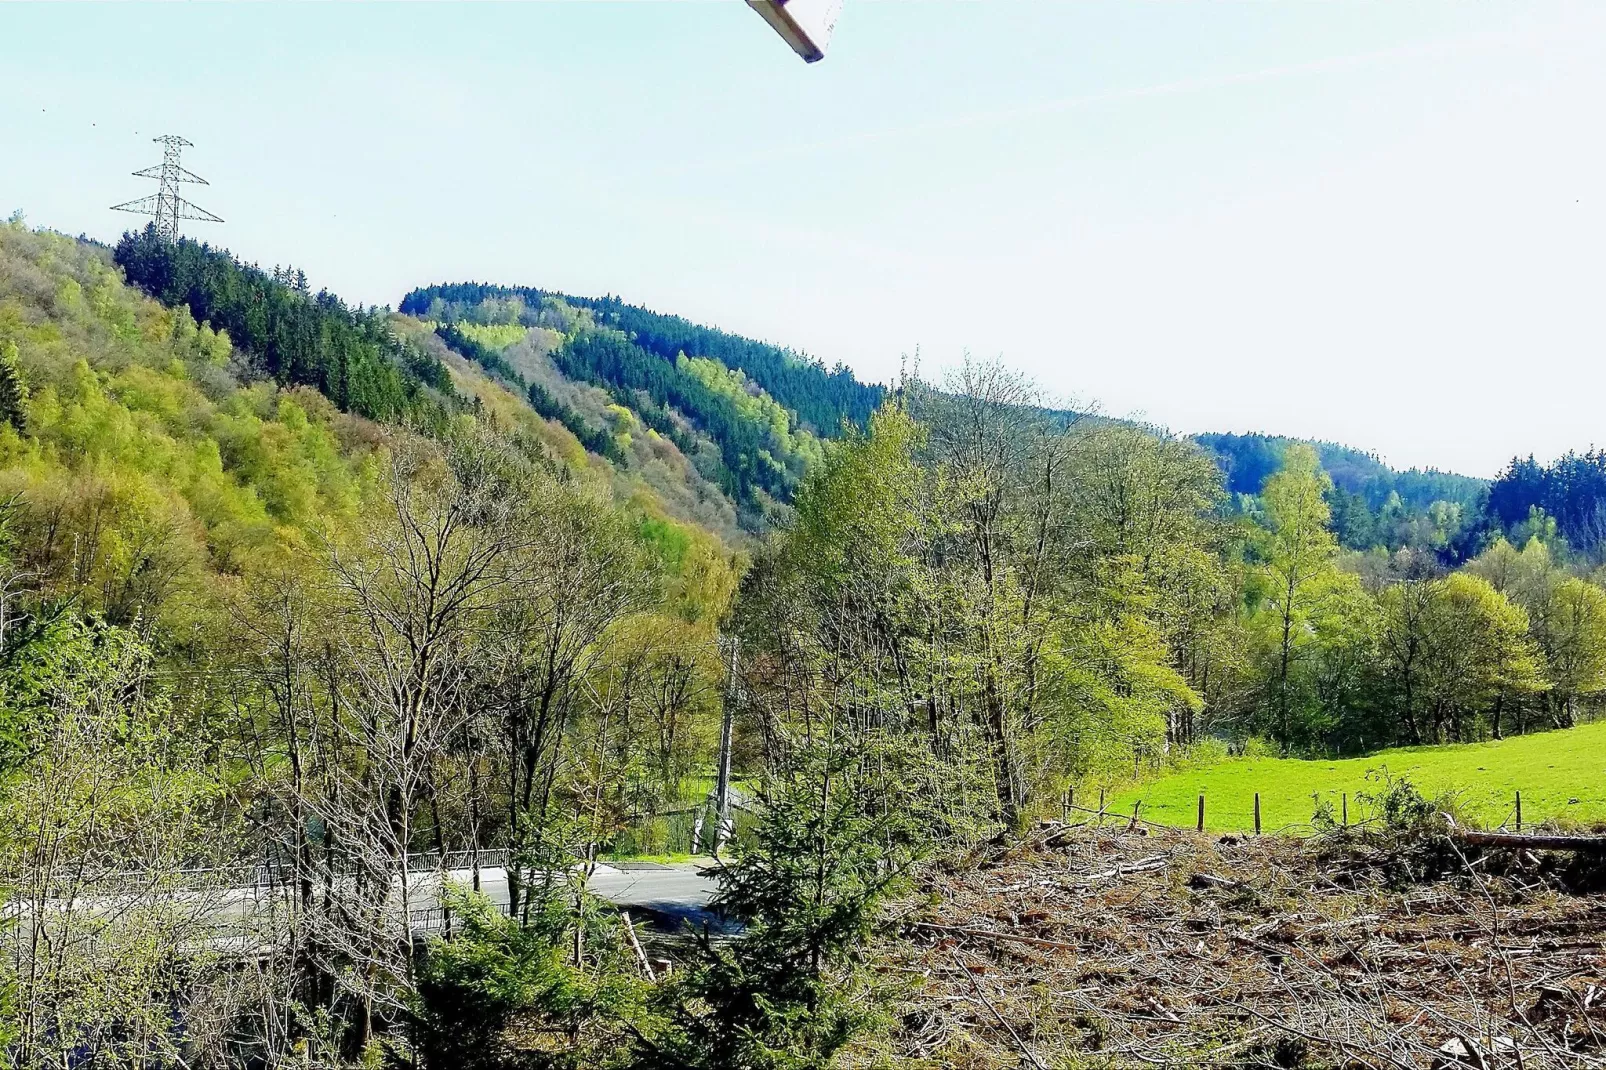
(1070, 799)
(1134, 822)
(1519, 811)
(1201, 813)
(1346, 809)
(1257, 813)
(1101, 806)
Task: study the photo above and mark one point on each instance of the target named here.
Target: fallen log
(1530, 841)
(990, 934)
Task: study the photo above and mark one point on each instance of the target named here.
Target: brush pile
(1090, 946)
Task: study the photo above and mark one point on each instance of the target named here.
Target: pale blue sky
(1382, 223)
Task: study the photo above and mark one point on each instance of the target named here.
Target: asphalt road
(666, 896)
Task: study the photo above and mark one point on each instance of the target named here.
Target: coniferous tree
(13, 391)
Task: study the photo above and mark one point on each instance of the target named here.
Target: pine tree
(13, 391)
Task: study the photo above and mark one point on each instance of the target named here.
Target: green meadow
(1561, 774)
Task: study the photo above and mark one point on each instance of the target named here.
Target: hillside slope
(155, 460)
(749, 416)
(711, 428)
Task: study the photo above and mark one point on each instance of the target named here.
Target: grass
(668, 858)
(1561, 775)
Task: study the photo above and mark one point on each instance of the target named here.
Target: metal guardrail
(277, 872)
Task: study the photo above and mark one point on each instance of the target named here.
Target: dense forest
(348, 354)
(821, 398)
(759, 445)
(293, 595)
(1372, 504)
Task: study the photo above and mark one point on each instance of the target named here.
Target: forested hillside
(822, 399)
(299, 602)
(750, 416)
(260, 590)
(350, 355)
(1373, 504)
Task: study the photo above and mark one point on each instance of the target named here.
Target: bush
(1202, 754)
(1256, 747)
(1400, 806)
(501, 993)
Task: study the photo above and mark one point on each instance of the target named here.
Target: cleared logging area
(1085, 946)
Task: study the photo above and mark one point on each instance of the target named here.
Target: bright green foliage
(263, 558)
(492, 336)
(1565, 615)
(823, 399)
(1025, 628)
(145, 468)
(753, 457)
(114, 781)
(1572, 635)
(720, 415)
(1299, 551)
(757, 407)
(1477, 655)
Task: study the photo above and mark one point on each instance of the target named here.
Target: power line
(165, 205)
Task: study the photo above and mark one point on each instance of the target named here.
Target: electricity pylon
(165, 205)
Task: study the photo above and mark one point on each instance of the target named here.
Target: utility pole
(719, 800)
(165, 206)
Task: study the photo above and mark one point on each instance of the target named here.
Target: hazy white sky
(1381, 223)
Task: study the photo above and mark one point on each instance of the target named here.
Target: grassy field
(1560, 774)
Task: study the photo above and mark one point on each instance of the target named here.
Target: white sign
(806, 25)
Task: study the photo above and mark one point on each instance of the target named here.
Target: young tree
(103, 827)
(1299, 549)
(840, 822)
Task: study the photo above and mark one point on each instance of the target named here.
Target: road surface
(667, 896)
(246, 920)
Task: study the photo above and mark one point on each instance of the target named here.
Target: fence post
(1101, 806)
(1346, 809)
(1257, 813)
(1519, 811)
(1134, 822)
(1201, 813)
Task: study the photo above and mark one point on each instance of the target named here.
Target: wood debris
(1092, 946)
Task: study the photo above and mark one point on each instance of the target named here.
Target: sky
(1377, 223)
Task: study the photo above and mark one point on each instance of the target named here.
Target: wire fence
(1328, 810)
